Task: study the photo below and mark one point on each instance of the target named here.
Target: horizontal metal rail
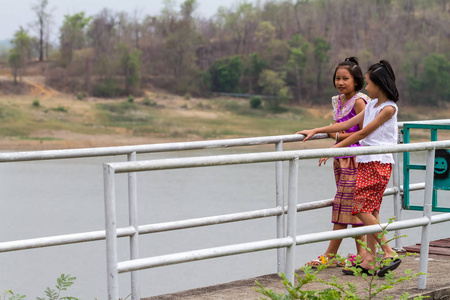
(151, 148)
(174, 225)
(430, 122)
(182, 257)
(231, 159)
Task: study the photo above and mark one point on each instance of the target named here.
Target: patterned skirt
(373, 178)
(345, 173)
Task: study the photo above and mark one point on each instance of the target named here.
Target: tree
(73, 35)
(131, 69)
(320, 53)
(225, 74)
(239, 26)
(254, 66)
(297, 63)
(20, 53)
(43, 18)
(431, 86)
(274, 86)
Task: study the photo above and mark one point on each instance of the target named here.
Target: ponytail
(382, 75)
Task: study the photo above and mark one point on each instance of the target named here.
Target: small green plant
(338, 290)
(62, 283)
(81, 96)
(36, 103)
(148, 102)
(60, 109)
(255, 102)
(13, 296)
(187, 96)
(130, 98)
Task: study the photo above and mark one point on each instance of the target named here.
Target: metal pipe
(279, 190)
(427, 207)
(62, 240)
(292, 218)
(111, 235)
(397, 202)
(231, 159)
(176, 258)
(151, 148)
(133, 221)
(182, 257)
(174, 225)
(363, 230)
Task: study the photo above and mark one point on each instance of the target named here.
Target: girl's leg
(373, 239)
(388, 252)
(334, 245)
(332, 249)
(359, 248)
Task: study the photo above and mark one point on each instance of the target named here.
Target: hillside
(35, 117)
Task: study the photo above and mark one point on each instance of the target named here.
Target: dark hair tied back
(352, 59)
(382, 75)
(352, 65)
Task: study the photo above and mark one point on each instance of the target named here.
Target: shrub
(36, 103)
(60, 109)
(62, 283)
(255, 102)
(81, 96)
(130, 99)
(148, 102)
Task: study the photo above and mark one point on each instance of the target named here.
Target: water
(66, 196)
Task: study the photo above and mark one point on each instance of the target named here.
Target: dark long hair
(382, 75)
(352, 65)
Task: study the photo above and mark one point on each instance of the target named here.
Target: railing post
(281, 223)
(292, 218)
(397, 202)
(111, 233)
(133, 221)
(427, 203)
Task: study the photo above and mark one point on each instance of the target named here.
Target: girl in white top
(374, 171)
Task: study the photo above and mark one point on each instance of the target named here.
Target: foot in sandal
(322, 260)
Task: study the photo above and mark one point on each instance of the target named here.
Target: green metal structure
(441, 167)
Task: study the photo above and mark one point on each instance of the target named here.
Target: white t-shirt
(386, 134)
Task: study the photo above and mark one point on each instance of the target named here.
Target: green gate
(441, 167)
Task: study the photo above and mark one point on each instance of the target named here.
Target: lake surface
(58, 197)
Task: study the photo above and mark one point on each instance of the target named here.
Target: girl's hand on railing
(323, 160)
(307, 133)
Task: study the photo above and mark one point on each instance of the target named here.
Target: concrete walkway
(438, 284)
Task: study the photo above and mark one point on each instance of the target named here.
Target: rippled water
(66, 196)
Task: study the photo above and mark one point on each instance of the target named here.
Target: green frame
(407, 166)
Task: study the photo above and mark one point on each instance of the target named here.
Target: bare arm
(334, 127)
(384, 115)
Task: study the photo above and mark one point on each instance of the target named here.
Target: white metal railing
(279, 211)
(290, 240)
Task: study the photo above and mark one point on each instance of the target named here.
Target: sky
(16, 13)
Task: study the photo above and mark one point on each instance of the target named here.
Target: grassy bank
(55, 120)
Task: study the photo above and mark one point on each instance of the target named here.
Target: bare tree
(41, 24)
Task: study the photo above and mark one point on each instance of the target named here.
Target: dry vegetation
(42, 118)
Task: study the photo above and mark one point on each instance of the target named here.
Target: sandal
(389, 264)
(322, 260)
(350, 261)
(362, 270)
